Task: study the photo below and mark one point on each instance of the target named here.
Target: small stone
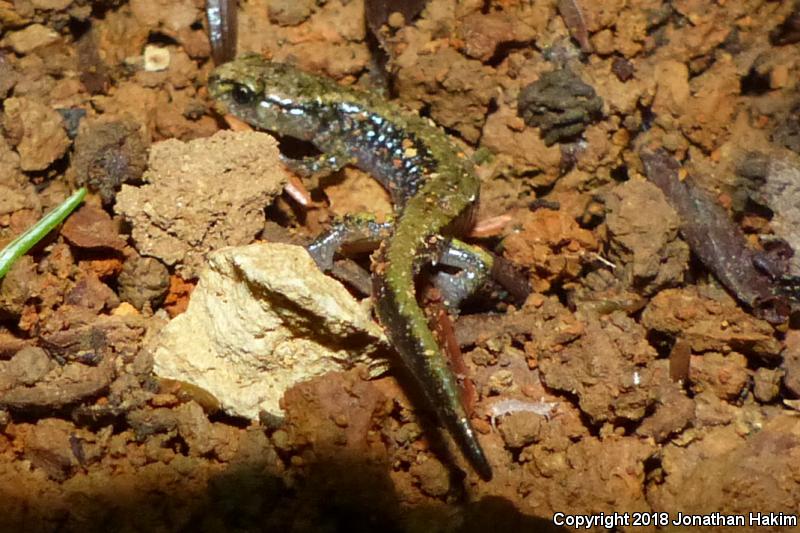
(646, 247)
(433, 478)
(396, 20)
(672, 414)
(51, 5)
(91, 293)
(501, 382)
(791, 363)
(48, 447)
(156, 58)
(195, 43)
(195, 429)
(17, 286)
(725, 375)
(767, 384)
(698, 319)
(281, 440)
(173, 15)
(521, 429)
(779, 77)
(91, 227)
(108, 154)
(33, 37)
(622, 68)
(143, 281)
(8, 77)
(37, 132)
(30, 365)
(290, 12)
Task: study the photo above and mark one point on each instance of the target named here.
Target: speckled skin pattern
(432, 184)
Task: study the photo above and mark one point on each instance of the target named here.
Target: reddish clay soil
(630, 380)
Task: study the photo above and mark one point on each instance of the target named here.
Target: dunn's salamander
(433, 187)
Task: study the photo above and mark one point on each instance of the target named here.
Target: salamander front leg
(320, 166)
(475, 266)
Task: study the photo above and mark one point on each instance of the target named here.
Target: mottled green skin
(433, 186)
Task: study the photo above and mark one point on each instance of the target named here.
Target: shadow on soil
(346, 496)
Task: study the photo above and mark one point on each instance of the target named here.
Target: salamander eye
(242, 94)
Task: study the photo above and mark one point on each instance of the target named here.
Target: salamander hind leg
(361, 229)
(476, 267)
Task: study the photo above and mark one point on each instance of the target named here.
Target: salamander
(433, 187)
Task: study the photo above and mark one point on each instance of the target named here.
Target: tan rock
(261, 319)
(33, 37)
(202, 195)
(36, 130)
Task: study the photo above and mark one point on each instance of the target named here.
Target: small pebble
(155, 58)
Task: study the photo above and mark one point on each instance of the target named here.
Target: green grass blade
(28, 239)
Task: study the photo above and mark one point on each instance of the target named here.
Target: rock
(674, 411)
(52, 5)
(550, 243)
(16, 192)
(37, 132)
(711, 410)
(291, 12)
(143, 281)
(195, 429)
(173, 15)
(710, 324)
(262, 318)
(29, 365)
(433, 478)
(156, 58)
(457, 90)
(33, 37)
(108, 154)
(340, 413)
(48, 445)
(484, 33)
(767, 384)
(791, 363)
(609, 368)
(91, 293)
(643, 237)
(19, 284)
(91, 227)
(10, 344)
(505, 133)
(147, 422)
(9, 76)
(72, 383)
(521, 429)
(202, 195)
(725, 375)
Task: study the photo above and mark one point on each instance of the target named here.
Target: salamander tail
(466, 439)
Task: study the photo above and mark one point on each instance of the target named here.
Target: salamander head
(270, 96)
